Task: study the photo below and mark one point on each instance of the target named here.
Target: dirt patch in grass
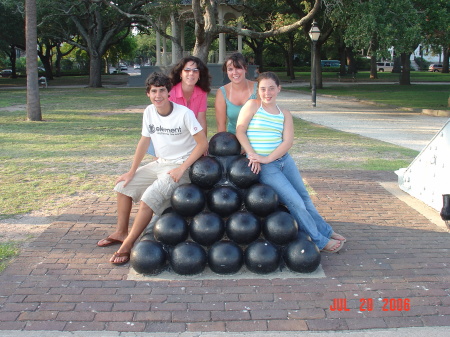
(12, 108)
(130, 110)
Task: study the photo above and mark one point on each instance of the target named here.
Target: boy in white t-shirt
(178, 143)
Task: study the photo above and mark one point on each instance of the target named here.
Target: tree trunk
(95, 71)
(291, 56)
(12, 59)
(445, 65)
(46, 60)
(33, 100)
(405, 78)
(201, 47)
(351, 63)
(373, 68)
(177, 48)
(342, 58)
(259, 54)
(397, 65)
(58, 61)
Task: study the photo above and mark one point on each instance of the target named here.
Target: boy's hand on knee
(126, 177)
(176, 174)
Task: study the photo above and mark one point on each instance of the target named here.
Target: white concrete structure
(427, 178)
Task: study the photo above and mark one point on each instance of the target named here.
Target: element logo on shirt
(164, 131)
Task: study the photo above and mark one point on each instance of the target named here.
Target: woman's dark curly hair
(157, 79)
(204, 81)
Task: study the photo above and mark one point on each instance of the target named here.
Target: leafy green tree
(205, 15)
(436, 27)
(89, 25)
(12, 31)
(377, 26)
(145, 51)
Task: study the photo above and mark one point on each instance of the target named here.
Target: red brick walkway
(394, 257)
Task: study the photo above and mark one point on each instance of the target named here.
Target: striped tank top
(265, 131)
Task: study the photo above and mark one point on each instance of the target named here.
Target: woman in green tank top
(231, 97)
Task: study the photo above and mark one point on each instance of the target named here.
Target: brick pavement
(62, 281)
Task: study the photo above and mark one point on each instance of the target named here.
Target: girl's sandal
(333, 246)
(338, 237)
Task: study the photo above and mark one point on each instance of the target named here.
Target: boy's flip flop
(108, 242)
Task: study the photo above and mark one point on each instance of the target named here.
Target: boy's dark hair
(204, 81)
(157, 79)
(238, 61)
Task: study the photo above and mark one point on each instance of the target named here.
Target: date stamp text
(367, 304)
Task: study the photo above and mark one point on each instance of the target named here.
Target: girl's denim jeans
(283, 176)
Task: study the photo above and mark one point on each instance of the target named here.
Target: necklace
(167, 114)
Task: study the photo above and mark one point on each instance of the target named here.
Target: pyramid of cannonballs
(224, 219)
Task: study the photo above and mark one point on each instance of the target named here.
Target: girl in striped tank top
(266, 132)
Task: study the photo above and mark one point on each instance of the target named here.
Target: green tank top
(233, 109)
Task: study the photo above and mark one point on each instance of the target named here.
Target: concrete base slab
(208, 274)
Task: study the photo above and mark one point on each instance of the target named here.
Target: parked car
(435, 67)
(330, 63)
(137, 66)
(6, 72)
(123, 67)
(385, 66)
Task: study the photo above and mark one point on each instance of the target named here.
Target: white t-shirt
(171, 135)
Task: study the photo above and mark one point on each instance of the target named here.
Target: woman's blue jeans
(284, 177)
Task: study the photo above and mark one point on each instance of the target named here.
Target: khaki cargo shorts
(152, 185)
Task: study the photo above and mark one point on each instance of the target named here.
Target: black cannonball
(225, 257)
(148, 257)
(205, 172)
(224, 144)
(241, 174)
(224, 200)
(261, 199)
(303, 235)
(167, 210)
(188, 258)
(243, 227)
(148, 236)
(280, 228)
(206, 228)
(302, 256)
(171, 229)
(262, 257)
(282, 207)
(188, 200)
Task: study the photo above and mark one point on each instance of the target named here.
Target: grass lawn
(7, 251)
(364, 76)
(415, 96)
(88, 138)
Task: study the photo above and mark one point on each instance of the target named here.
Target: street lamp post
(314, 34)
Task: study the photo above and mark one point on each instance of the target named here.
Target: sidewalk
(396, 259)
(400, 127)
